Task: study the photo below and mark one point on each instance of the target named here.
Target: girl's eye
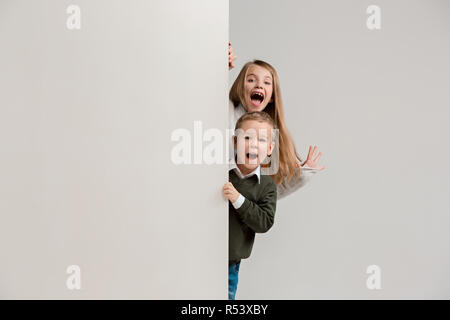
(246, 137)
(268, 83)
(250, 80)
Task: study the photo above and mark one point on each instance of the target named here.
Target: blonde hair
(288, 157)
(260, 116)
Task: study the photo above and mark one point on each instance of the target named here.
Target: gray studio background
(86, 176)
(377, 105)
(85, 172)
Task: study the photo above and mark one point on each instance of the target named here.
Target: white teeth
(259, 94)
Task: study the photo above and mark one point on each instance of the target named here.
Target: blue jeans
(233, 271)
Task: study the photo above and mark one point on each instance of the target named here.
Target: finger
(309, 153)
(314, 150)
(321, 168)
(316, 159)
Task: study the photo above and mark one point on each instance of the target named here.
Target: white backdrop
(86, 176)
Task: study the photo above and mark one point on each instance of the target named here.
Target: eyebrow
(252, 74)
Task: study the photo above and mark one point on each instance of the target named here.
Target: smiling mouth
(256, 98)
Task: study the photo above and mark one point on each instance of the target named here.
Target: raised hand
(312, 161)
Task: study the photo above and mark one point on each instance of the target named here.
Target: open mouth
(256, 98)
(251, 156)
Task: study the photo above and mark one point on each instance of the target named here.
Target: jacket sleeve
(289, 186)
(259, 216)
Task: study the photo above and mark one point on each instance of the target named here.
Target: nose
(259, 83)
(253, 143)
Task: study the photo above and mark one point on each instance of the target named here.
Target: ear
(271, 146)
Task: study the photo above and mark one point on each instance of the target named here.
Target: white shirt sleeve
(289, 186)
(238, 203)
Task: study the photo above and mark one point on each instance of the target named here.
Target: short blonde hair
(260, 116)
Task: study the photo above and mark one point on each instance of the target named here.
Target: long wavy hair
(288, 157)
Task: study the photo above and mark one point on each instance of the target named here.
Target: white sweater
(287, 186)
